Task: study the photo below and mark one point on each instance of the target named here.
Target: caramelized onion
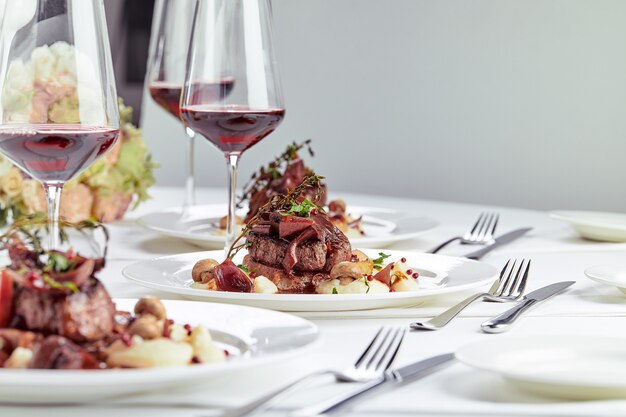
(230, 278)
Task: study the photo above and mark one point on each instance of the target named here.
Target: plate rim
(567, 216)
(141, 220)
(106, 377)
(520, 375)
(422, 293)
(594, 277)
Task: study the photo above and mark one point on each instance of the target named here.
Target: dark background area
(129, 24)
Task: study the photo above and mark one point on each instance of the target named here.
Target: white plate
(252, 336)
(594, 225)
(382, 226)
(608, 274)
(572, 367)
(439, 275)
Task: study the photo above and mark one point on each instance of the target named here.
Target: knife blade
(499, 241)
(404, 374)
(503, 321)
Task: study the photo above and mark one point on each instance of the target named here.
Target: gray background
(517, 103)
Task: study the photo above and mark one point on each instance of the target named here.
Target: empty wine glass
(232, 39)
(58, 104)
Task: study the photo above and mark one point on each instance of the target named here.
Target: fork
(508, 287)
(370, 365)
(481, 232)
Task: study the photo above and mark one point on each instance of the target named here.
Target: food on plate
(282, 175)
(56, 314)
(294, 247)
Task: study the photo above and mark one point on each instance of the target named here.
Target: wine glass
(58, 103)
(232, 39)
(166, 72)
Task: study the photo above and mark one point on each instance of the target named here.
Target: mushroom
(204, 271)
(150, 305)
(224, 220)
(147, 327)
(353, 270)
(359, 255)
(337, 206)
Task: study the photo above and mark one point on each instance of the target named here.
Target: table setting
(121, 295)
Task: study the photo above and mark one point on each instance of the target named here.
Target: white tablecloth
(587, 310)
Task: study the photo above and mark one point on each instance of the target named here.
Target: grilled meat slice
(81, 317)
(293, 256)
(58, 352)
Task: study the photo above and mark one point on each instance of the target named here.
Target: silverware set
(372, 370)
(508, 287)
(371, 365)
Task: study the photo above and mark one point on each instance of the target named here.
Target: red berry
(314, 212)
(409, 271)
(125, 338)
(403, 260)
(415, 275)
(226, 353)
(370, 277)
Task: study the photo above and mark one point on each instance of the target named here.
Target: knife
(502, 322)
(499, 241)
(404, 374)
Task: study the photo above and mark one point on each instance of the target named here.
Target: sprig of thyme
(273, 171)
(30, 227)
(279, 203)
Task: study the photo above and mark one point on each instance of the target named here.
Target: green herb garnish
(303, 209)
(57, 263)
(52, 283)
(243, 268)
(367, 284)
(378, 262)
(335, 290)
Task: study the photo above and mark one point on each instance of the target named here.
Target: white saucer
(595, 225)
(608, 274)
(382, 226)
(571, 367)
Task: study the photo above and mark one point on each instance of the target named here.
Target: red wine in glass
(233, 129)
(167, 95)
(55, 152)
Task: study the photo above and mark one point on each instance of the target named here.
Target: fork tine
(515, 282)
(484, 227)
(392, 351)
(369, 347)
(504, 284)
(376, 348)
(521, 287)
(495, 224)
(382, 348)
(478, 221)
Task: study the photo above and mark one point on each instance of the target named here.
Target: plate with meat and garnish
(64, 339)
(291, 256)
(366, 227)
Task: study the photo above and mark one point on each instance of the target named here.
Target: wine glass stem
(232, 160)
(53, 197)
(190, 186)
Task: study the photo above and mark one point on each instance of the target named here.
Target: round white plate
(252, 336)
(438, 275)
(594, 225)
(382, 226)
(608, 274)
(572, 367)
